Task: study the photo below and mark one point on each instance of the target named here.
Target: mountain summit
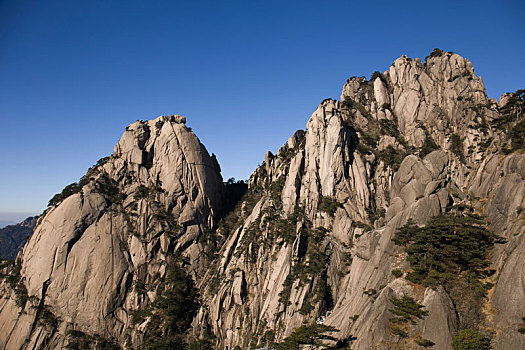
(395, 220)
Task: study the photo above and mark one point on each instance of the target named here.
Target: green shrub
(375, 214)
(397, 273)
(456, 146)
(376, 75)
(109, 189)
(512, 121)
(173, 309)
(284, 295)
(348, 102)
(485, 144)
(276, 190)
(69, 190)
(468, 339)
(16, 282)
(452, 251)
(436, 53)
(370, 292)
(47, 319)
(307, 334)
(447, 244)
(141, 192)
(138, 316)
(516, 135)
(425, 343)
(286, 229)
(398, 331)
(328, 205)
(78, 340)
(101, 162)
(391, 157)
(406, 310)
(389, 127)
(312, 266)
(428, 145)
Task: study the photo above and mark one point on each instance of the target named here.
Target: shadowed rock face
(310, 241)
(13, 237)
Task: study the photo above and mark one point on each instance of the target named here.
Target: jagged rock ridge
(92, 252)
(311, 240)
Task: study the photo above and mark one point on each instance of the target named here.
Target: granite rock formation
(312, 239)
(158, 192)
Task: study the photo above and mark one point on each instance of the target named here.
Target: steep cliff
(99, 250)
(396, 218)
(314, 242)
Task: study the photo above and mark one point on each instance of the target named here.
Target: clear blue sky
(245, 73)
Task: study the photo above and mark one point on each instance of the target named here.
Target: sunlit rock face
(157, 193)
(410, 144)
(311, 241)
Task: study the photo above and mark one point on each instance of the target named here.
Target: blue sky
(246, 74)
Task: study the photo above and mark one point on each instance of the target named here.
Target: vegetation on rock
(468, 339)
(307, 334)
(512, 121)
(16, 282)
(448, 245)
(76, 187)
(452, 251)
(172, 311)
(406, 311)
(78, 340)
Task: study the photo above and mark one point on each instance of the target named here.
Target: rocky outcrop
(158, 192)
(312, 239)
(412, 143)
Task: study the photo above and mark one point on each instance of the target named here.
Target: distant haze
(13, 218)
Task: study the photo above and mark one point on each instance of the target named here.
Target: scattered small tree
(307, 334)
(425, 343)
(407, 310)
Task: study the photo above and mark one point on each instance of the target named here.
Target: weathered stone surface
(441, 320)
(312, 239)
(88, 251)
(424, 99)
(380, 92)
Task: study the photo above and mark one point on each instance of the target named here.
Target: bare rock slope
(91, 252)
(396, 218)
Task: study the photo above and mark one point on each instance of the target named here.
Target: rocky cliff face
(412, 143)
(315, 239)
(92, 253)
